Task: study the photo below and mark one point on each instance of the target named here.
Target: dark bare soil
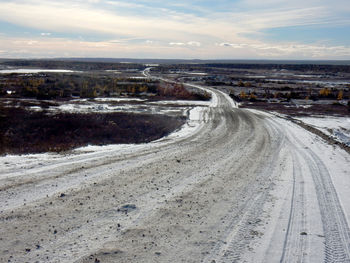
(23, 131)
(335, 109)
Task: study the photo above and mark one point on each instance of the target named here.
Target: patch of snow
(233, 103)
(303, 157)
(181, 102)
(94, 107)
(197, 116)
(35, 108)
(336, 127)
(79, 100)
(196, 119)
(214, 98)
(308, 76)
(328, 83)
(119, 99)
(136, 77)
(256, 77)
(196, 73)
(114, 71)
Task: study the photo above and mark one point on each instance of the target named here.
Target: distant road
(242, 186)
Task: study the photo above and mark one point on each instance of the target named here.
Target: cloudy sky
(201, 29)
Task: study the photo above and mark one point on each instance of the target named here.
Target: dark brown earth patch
(291, 109)
(23, 131)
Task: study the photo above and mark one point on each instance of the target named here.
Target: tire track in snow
(335, 225)
(241, 230)
(295, 241)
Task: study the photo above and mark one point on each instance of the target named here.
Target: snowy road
(233, 186)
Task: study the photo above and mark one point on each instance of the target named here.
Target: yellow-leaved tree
(340, 95)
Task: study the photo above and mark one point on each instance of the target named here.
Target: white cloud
(177, 44)
(187, 44)
(161, 32)
(194, 43)
(56, 47)
(290, 50)
(67, 18)
(31, 42)
(225, 45)
(166, 26)
(124, 4)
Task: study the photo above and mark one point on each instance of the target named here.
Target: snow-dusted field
(336, 127)
(233, 185)
(117, 104)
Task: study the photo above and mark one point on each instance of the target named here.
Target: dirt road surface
(240, 186)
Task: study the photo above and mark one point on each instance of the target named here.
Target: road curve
(240, 188)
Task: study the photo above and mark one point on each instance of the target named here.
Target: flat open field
(231, 185)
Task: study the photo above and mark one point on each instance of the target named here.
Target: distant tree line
(296, 67)
(286, 93)
(72, 65)
(65, 86)
(53, 85)
(211, 67)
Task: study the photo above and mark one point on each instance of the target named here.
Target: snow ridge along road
(233, 185)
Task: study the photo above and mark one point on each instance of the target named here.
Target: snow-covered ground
(309, 203)
(116, 99)
(336, 127)
(119, 104)
(233, 185)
